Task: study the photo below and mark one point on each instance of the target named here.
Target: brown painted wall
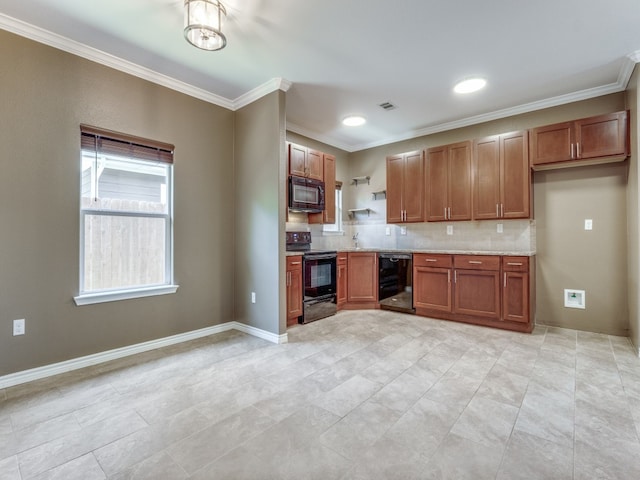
(45, 94)
(562, 200)
(260, 209)
(633, 213)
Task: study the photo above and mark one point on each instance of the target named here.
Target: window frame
(88, 297)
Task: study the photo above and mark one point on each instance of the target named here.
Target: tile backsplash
(518, 236)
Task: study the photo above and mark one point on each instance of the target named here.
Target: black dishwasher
(395, 281)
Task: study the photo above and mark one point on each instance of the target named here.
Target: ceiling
(349, 56)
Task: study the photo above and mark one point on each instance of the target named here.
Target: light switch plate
(588, 224)
(449, 229)
(499, 228)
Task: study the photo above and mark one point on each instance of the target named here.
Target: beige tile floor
(362, 395)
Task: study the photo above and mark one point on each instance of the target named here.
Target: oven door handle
(329, 256)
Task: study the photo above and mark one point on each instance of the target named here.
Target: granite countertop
(444, 252)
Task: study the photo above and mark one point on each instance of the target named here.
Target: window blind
(114, 143)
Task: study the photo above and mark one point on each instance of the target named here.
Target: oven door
(319, 275)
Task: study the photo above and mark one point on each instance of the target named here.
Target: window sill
(114, 296)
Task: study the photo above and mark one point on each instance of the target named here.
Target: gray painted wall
(259, 198)
(45, 95)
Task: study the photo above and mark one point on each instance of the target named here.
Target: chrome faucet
(355, 240)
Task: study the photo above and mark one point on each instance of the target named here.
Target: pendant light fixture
(203, 24)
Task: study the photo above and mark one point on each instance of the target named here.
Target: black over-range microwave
(306, 194)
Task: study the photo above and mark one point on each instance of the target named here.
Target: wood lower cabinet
(516, 290)
(362, 280)
(432, 282)
(480, 289)
(599, 139)
(448, 182)
(405, 188)
(477, 286)
(294, 289)
(342, 278)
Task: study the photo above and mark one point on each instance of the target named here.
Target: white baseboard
(81, 362)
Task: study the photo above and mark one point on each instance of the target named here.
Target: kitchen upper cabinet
(432, 288)
(477, 286)
(448, 182)
(305, 162)
(599, 139)
(502, 178)
(342, 274)
(405, 188)
(362, 278)
(329, 213)
(294, 289)
(516, 290)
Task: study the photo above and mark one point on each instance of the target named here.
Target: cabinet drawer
(294, 262)
(342, 258)
(432, 260)
(515, 264)
(477, 262)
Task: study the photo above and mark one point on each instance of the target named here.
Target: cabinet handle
(502, 210)
(475, 262)
(455, 276)
(295, 263)
(497, 212)
(449, 213)
(448, 276)
(515, 264)
(572, 150)
(430, 260)
(445, 213)
(577, 150)
(505, 279)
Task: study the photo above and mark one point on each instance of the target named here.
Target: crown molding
(626, 70)
(292, 127)
(260, 91)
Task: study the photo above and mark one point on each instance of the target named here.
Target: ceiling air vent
(387, 106)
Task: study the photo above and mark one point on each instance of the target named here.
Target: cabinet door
(294, 289)
(362, 271)
(297, 160)
(315, 165)
(437, 173)
(552, 143)
(477, 292)
(395, 170)
(515, 176)
(413, 187)
(341, 296)
(515, 297)
(329, 213)
(602, 136)
(459, 181)
(432, 288)
(486, 178)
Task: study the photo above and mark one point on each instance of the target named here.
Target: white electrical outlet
(588, 224)
(499, 228)
(449, 229)
(403, 230)
(387, 231)
(18, 327)
(253, 297)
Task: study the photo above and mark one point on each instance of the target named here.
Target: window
(125, 217)
(337, 226)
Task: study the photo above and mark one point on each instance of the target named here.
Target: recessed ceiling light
(354, 120)
(469, 85)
